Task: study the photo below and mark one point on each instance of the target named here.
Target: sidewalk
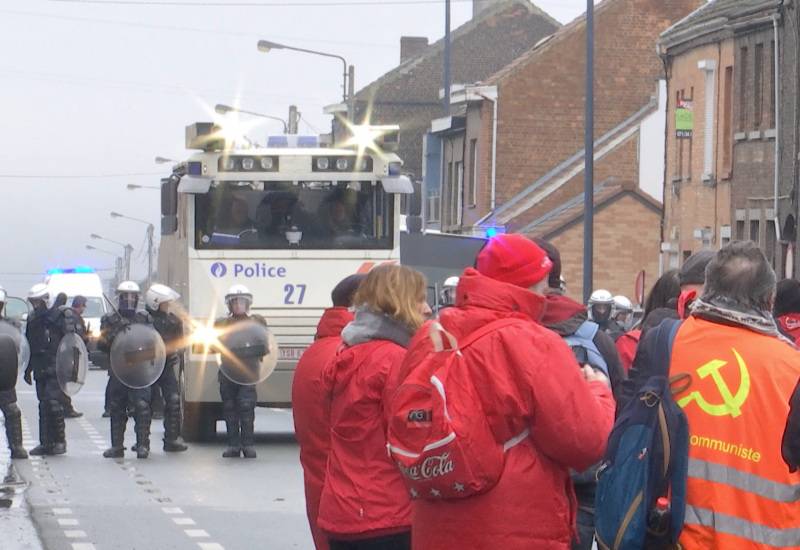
(17, 530)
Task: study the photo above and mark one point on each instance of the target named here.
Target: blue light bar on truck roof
(71, 270)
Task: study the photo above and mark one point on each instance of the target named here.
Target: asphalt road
(195, 499)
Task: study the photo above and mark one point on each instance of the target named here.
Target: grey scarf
(369, 325)
(759, 321)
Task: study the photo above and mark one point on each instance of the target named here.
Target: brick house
(408, 95)
(721, 179)
(513, 147)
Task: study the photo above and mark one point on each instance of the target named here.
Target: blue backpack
(584, 348)
(647, 457)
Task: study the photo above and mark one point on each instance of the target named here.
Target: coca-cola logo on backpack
(439, 435)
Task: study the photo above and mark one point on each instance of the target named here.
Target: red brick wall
(541, 109)
(618, 255)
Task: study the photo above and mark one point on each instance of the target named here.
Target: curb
(16, 523)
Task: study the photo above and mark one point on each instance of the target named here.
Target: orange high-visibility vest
(740, 494)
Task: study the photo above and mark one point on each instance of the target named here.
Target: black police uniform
(238, 402)
(170, 328)
(111, 325)
(63, 320)
(44, 343)
(12, 414)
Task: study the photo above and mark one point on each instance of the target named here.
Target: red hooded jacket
(528, 377)
(790, 323)
(364, 495)
(312, 412)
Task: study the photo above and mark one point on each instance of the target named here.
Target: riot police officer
(601, 304)
(52, 437)
(111, 325)
(8, 401)
(238, 400)
(63, 320)
(157, 301)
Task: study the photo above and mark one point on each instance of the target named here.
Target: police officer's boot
(119, 418)
(142, 417)
(14, 431)
(247, 415)
(57, 427)
(45, 438)
(231, 417)
(172, 425)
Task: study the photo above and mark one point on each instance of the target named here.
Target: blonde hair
(395, 290)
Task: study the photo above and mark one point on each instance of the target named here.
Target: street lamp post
(133, 187)
(163, 160)
(348, 89)
(128, 249)
(150, 229)
(224, 109)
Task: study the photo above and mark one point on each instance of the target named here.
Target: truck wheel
(199, 422)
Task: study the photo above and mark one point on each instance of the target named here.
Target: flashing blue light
(491, 232)
(72, 270)
(277, 141)
(307, 141)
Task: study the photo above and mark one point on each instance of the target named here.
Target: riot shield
(8, 363)
(138, 356)
(72, 362)
(21, 343)
(248, 352)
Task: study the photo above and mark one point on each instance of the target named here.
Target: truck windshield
(284, 215)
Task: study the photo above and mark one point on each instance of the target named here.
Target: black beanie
(693, 271)
(554, 278)
(787, 297)
(342, 294)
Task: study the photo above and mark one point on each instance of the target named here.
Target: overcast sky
(93, 90)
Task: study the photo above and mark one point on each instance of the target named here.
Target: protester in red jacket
(787, 308)
(310, 402)
(364, 503)
(527, 377)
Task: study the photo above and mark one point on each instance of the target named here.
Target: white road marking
(196, 533)
(184, 521)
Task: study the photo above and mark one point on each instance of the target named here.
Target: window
(771, 114)
(472, 188)
(740, 230)
(727, 121)
(288, 215)
(758, 85)
(434, 208)
(754, 231)
(743, 89)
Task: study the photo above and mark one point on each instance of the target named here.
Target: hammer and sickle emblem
(732, 403)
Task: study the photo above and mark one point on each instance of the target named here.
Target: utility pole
(128, 251)
(292, 120)
(588, 185)
(446, 105)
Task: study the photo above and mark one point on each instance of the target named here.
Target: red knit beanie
(513, 259)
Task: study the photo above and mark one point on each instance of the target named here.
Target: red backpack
(438, 434)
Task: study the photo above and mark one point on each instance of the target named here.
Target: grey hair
(739, 278)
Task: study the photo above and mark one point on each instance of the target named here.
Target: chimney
(482, 5)
(411, 46)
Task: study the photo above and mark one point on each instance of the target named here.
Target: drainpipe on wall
(775, 19)
(494, 150)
